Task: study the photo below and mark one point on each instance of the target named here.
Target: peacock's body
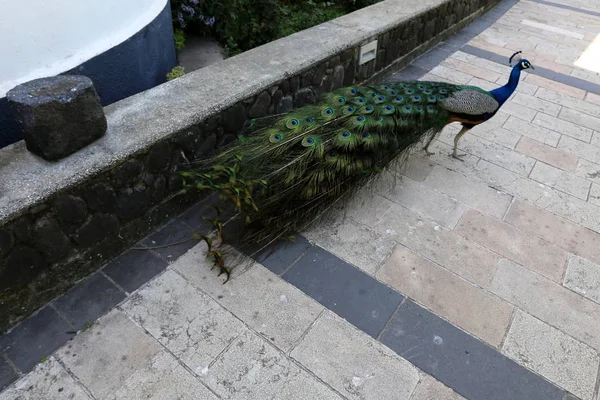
(286, 169)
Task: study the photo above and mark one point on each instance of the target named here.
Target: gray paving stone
(531, 251)
(344, 289)
(548, 154)
(356, 244)
(579, 148)
(443, 246)
(532, 131)
(48, 381)
(566, 128)
(519, 110)
(173, 233)
(134, 268)
(555, 86)
(460, 361)
(565, 234)
(252, 369)
(417, 197)
(548, 301)
(88, 300)
(353, 363)
(106, 355)
(494, 153)
(430, 388)
(537, 104)
(7, 373)
(447, 295)
(561, 180)
(35, 337)
(492, 131)
(583, 277)
(569, 102)
(475, 194)
(539, 195)
(452, 74)
(579, 118)
(417, 168)
(501, 136)
(199, 52)
(266, 303)
(554, 355)
(483, 62)
(588, 170)
(596, 138)
(367, 207)
(595, 194)
(162, 379)
(474, 70)
(183, 319)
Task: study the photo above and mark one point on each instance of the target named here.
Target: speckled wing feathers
(471, 102)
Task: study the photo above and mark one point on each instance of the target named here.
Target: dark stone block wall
(43, 252)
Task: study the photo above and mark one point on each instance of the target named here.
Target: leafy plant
(241, 25)
(175, 73)
(179, 36)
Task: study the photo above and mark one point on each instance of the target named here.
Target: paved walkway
(477, 279)
(198, 53)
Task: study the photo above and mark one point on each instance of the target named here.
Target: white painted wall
(41, 38)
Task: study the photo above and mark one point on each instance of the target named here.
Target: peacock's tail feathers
(286, 169)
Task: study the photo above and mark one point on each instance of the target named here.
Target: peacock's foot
(458, 156)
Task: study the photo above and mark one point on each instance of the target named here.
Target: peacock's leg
(464, 130)
(426, 148)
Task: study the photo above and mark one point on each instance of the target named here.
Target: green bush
(179, 36)
(175, 73)
(241, 25)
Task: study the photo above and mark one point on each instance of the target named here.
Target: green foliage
(179, 36)
(297, 17)
(241, 25)
(176, 73)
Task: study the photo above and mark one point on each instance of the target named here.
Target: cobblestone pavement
(449, 279)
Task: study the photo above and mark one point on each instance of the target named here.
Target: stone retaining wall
(61, 221)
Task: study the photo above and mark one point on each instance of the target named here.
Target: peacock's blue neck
(503, 93)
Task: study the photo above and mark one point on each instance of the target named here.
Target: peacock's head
(521, 62)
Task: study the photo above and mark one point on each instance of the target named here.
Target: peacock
(284, 170)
